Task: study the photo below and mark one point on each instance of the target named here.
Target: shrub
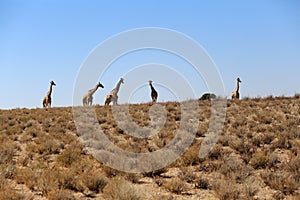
(259, 160)
(190, 157)
(216, 152)
(95, 181)
(70, 180)
(7, 150)
(226, 190)
(234, 169)
(70, 155)
(281, 181)
(202, 183)
(187, 175)
(7, 192)
(47, 145)
(61, 195)
(175, 185)
(110, 172)
(119, 188)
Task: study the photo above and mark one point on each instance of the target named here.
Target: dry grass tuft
(119, 188)
(175, 185)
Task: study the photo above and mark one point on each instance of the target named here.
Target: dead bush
(281, 181)
(175, 185)
(95, 181)
(61, 195)
(226, 190)
(119, 188)
(202, 183)
(68, 179)
(259, 160)
(27, 176)
(187, 175)
(7, 150)
(7, 192)
(70, 155)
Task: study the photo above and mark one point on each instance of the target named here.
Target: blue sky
(41, 41)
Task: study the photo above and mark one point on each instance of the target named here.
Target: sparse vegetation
(256, 156)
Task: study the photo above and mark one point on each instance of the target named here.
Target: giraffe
(235, 94)
(113, 95)
(87, 99)
(154, 93)
(47, 99)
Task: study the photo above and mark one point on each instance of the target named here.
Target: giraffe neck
(116, 90)
(237, 86)
(151, 86)
(92, 91)
(50, 91)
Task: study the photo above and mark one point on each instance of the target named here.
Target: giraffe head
(52, 83)
(100, 85)
(150, 82)
(239, 80)
(121, 80)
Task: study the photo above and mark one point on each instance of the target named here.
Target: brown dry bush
(187, 175)
(70, 155)
(209, 166)
(226, 189)
(202, 129)
(7, 150)
(202, 183)
(282, 142)
(31, 133)
(69, 179)
(162, 197)
(259, 160)
(190, 157)
(26, 176)
(216, 153)
(8, 171)
(47, 180)
(134, 178)
(45, 145)
(61, 195)
(234, 169)
(94, 181)
(281, 181)
(175, 185)
(110, 172)
(119, 188)
(7, 192)
(293, 166)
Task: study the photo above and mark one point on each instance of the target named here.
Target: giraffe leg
(90, 101)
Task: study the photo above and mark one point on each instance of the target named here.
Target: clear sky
(40, 41)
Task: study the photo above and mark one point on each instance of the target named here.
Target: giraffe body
(154, 93)
(113, 95)
(235, 94)
(47, 99)
(87, 99)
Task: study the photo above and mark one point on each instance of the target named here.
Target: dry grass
(175, 185)
(256, 155)
(119, 188)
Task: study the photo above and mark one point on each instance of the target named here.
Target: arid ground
(257, 155)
